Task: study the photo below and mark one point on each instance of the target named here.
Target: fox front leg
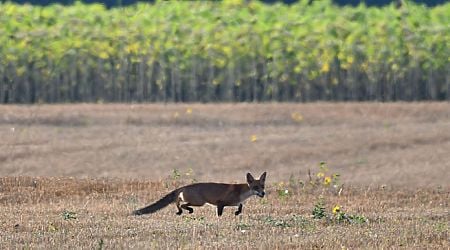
(220, 209)
(239, 211)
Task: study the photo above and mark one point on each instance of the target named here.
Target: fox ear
(250, 178)
(263, 177)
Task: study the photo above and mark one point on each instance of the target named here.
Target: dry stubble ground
(393, 160)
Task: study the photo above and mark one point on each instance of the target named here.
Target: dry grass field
(71, 175)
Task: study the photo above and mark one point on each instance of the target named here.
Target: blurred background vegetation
(115, 3)
(224, 51)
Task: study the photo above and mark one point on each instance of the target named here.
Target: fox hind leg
(186, 206)
(239, 211)
(180, 211)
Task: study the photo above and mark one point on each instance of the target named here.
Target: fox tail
(162, 203)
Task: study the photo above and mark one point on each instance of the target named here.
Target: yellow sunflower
(336, 209)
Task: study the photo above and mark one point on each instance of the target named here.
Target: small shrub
(276, 222)
(176, 174)
(68, 215)
(101, 244)
(243, 226)
(318, 211)
(282, 190)
(356, 219)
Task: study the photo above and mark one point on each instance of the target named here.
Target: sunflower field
(227, 51)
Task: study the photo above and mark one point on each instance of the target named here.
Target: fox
(218, 194)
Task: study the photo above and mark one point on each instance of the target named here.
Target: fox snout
(261, 194)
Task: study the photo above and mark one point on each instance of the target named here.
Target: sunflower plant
(325, 179)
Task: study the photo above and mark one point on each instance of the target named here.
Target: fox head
(257, 186)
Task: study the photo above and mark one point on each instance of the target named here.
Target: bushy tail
(162, 203)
